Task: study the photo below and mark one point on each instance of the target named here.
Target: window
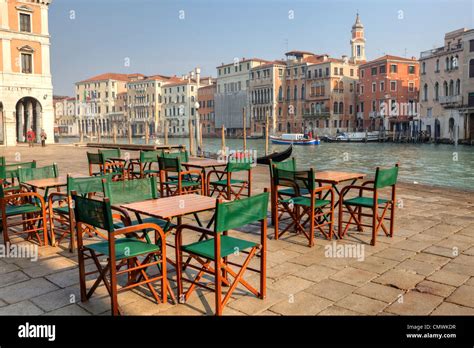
(436, 91)
(393, 68)
(351, 72)
(383, 69)
(374, 87)
(411, 86)
(361, 89)
(411, 69)
(373, 71)
(362, 73)
(327, 71)
(458, 87)
(437, 65)
(351, 109)
(26, 63)
(382, 86)
(425, 92)
(335, 71)
(393, 86)
(471, 68)
(25, 22)
(471, 45)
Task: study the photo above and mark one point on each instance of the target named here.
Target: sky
(171, 37)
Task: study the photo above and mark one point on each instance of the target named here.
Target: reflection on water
(444, 165)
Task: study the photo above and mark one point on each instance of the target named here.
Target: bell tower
(358, 41)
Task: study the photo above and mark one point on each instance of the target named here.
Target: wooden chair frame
(175, 188)
(221, 269)
(317, 217)
(32, 223)
(229, 190)
(377, 215)
(134, 268)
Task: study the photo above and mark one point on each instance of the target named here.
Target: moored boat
(357, 137)
(294, 139)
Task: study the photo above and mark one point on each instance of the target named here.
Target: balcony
(375, 114)
(450, 101)
(360, 115)
(322, 113)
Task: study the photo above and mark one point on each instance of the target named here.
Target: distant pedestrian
(30, 137)
(43, 138)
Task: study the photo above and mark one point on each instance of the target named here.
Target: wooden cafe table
(204, 164)
(335, 178)
(167, 208)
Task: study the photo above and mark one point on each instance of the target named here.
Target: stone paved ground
(426, 268)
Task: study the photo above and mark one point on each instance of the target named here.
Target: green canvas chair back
(233, 167)
(150, 156)
(94, 158)
(129, 191)
(45, 172)
(93, 212)
(182, 155)
(300, 180)
(85, 185)
(241, 212)
(287, 165)
(386, 177)
(110, 153)
(170, 164)
(11, 170)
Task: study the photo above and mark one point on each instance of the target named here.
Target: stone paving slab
(427, 268)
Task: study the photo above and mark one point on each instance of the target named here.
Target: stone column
(39, 122)
(20, 115)
(29, 115)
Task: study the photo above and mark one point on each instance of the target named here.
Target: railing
(317, 113)
(360, 115)
(450, 99)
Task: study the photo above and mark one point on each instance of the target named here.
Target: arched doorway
(451, 128)
(28, 115)
(437, 130)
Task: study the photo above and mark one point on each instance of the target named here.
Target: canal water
(424, 164)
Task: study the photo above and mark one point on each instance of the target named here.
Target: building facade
(444, 116)
(206, 109)
(145, 103)
(387, 96)
(232, 94)
(26, 90)
(96, 99)
(467, 87)
(180, 99)
(266, 91)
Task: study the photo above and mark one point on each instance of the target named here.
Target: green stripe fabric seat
(125, 248)
(229, 245)
(184, 183)
(291, 191)
(306, 201)
(61, 210)
(12, 210)
(223, 182)
(151, 220)
(364, 201)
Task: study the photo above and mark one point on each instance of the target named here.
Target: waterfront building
(266, 91)
(180, 100)
(467, 87)
(206, 109)
(96, 99)
(232, 94)
(26, 90)
(329, 105)
(445, 86)
(145, 103)
(387, 96)
(119, 118)
(65, 118)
